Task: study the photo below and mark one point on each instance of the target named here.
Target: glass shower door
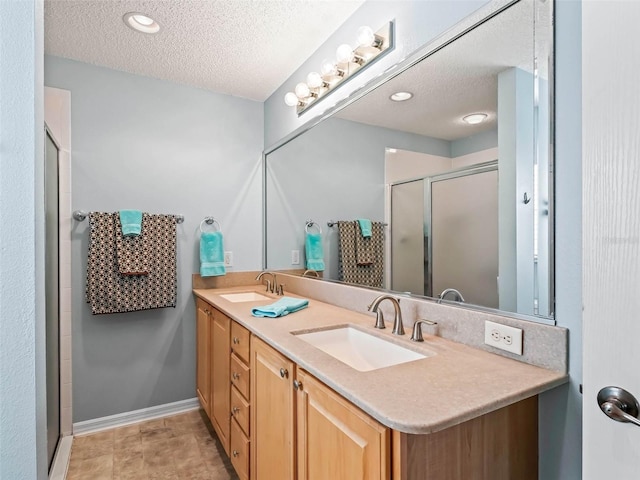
(52, 295)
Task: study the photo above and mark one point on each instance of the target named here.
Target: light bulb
(314, 80)
(302, 90)
(344, 53)
(366, 37)
(291, 99)
(328, 68)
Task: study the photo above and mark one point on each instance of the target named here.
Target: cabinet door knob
(297, 385)
(235, 410)
(236, 340)
(235, 453)
(284, 373)
(235, 375)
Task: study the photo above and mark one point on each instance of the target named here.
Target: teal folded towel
(131, 221)
(313, 252)
(282, 307)
(365, 227)
(212, 254)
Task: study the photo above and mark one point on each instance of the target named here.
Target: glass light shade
(344, 53)
(143, 20)
(314, 80)
(366, 37)
(328, 68)
(475, 118)
(302, 90)
(291, 99)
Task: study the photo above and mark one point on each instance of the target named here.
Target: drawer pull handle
(235, 453)
(284, 373)
(235, 410)
(297, 385)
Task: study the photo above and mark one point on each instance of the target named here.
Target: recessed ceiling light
(401, 96)
(141, 23)
(475, 118)
(392, 150)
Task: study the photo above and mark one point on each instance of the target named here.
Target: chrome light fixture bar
(349, 61)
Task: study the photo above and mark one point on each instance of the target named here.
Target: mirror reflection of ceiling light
(348, 62)
(475, 118)
(401, 96)
(140, 22)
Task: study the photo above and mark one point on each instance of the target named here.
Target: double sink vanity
(321, 393)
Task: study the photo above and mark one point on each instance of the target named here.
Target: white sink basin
(359, 350)
(244, 297)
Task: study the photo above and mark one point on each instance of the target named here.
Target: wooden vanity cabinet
(335, 439)
(302, 429)
(203, 354)
(273, 414)
(240, 406)
(220, 385)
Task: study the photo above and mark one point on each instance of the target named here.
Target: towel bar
(81, 215)
(210, 221)
(310, 223)
(332, 223)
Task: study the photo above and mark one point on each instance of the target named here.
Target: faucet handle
(416, 336)
(268, 285)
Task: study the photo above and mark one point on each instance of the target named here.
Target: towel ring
(210, 221)
(311, 223)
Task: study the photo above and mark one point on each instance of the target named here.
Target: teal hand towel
(212, 254)
(313, 252)
(365, 227)
(282, 307)
(131, 221)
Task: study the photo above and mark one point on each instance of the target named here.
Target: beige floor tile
(180, 447)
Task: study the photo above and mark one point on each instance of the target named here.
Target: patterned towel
(108, 291)
(349, 270)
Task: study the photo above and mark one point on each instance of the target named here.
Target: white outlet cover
(295, 257)
(503, 337)
(228, 259)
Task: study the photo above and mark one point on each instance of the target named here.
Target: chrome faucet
(416, 335)
(458, 296)
(310, 273)
(270, 285)
(398, 329)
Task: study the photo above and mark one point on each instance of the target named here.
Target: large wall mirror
(459, 205)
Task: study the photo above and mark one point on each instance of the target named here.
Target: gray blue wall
(561, 409)
(163, 148)
(23, 449)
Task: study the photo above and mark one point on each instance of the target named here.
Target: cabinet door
(220, 384)
(336, 439)
(203, 357)
(272, 414)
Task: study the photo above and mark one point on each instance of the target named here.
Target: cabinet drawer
(240, 375)
(240, 410)
(239, 451)
(240, 341)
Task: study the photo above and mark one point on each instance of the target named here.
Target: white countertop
(456, 384)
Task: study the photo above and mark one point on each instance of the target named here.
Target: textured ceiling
(246, 48)
(458, 80)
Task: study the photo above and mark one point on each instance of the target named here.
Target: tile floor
(181, 447)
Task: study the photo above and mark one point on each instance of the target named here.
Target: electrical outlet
(503, 337)
(295, 257)
(228, 259)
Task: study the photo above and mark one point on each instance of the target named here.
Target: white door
(611, 231)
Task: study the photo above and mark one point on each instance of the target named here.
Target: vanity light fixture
(349, 61)
(475, 118)
(141, 22)
(401, 96)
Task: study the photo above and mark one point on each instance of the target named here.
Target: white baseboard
(136, 416)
